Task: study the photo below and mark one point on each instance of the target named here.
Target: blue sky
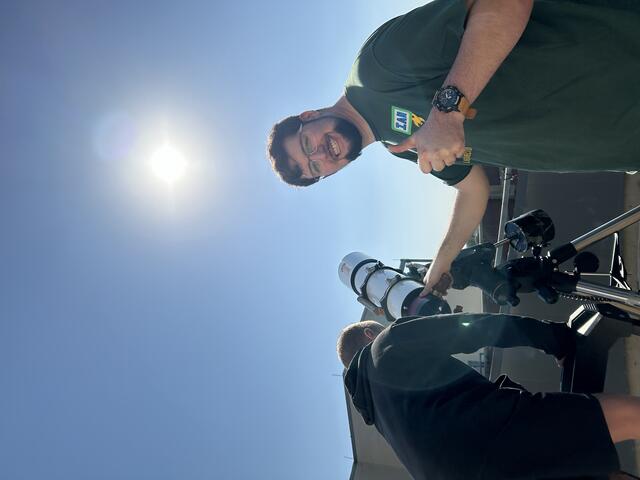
(148, 333)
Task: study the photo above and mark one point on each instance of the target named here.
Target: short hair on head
(276, 153)
(352, 339)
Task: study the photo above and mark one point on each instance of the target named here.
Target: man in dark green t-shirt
(552, 84)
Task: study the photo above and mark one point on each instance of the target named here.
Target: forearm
(469, 332)
(507, 331)
(493, 28)
(468, 209)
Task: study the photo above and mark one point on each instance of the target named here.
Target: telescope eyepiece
(529, 230)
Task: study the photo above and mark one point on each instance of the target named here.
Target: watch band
(465, 108)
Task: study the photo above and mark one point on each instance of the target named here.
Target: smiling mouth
(333, 147)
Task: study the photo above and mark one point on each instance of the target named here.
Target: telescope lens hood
(426, 306)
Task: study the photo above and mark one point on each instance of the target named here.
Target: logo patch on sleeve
(401, 120)
(417, 120)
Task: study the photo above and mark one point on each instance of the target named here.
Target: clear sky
(156, 333)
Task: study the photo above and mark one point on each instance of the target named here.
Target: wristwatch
(450, 99)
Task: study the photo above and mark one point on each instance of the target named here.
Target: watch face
(448, 98)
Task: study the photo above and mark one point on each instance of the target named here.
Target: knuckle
(425, 165)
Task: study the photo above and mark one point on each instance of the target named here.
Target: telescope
(386, 290)
(394, 292)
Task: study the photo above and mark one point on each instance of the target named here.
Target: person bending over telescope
(554, 84)
(445, 421)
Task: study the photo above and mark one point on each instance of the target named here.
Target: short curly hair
(277, 155)
(352, 339)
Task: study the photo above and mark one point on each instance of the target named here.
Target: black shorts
(546, 435)
(499, 431)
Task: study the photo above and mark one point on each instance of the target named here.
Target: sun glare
(168, 164)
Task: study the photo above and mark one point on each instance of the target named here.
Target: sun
(168, 164)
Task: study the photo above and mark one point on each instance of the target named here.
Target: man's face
(323, 146)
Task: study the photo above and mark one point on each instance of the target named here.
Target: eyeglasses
(305, 142)
(308, 148)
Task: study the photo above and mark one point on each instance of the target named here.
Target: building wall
(367, 471)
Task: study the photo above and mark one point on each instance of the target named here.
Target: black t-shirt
(432, 408)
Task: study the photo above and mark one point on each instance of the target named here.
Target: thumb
(404, 146)
(425, 291)
(428, 286)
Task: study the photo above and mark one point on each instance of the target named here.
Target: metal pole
(496, 353)
(611, 293)
(606, 229)
(504, 213)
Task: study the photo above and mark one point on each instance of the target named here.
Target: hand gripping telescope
(394, 292)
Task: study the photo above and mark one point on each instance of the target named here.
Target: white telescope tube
(359, 271)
